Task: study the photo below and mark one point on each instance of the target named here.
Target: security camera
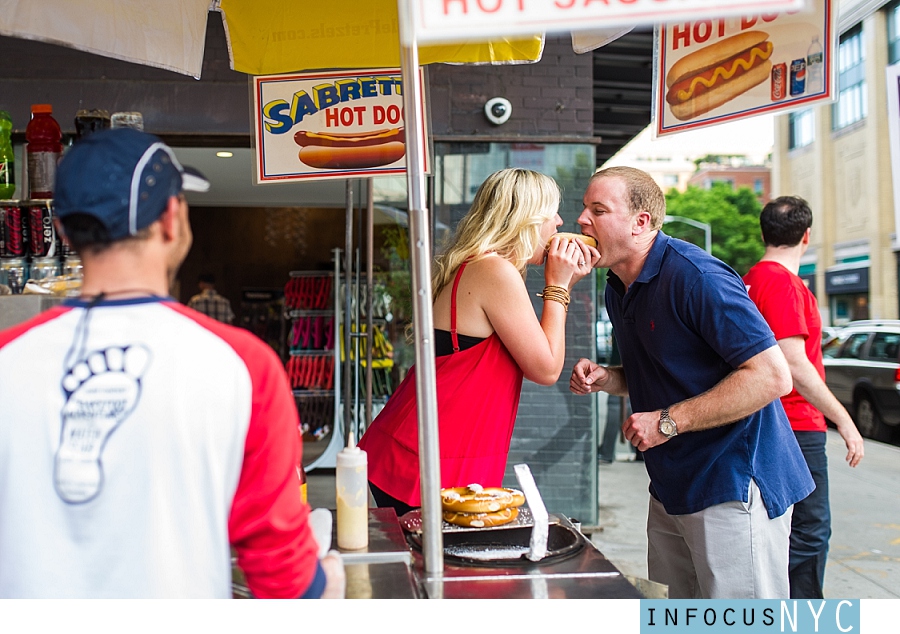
(498, 110)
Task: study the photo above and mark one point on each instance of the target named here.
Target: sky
(753, 137)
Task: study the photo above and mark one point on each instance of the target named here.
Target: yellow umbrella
(268, 37)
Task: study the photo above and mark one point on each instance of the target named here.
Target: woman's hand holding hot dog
(568, 261)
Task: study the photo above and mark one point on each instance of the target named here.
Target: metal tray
(491, 547)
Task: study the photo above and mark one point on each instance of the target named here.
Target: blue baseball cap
(123, 178)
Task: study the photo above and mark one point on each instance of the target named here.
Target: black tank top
(443, 342)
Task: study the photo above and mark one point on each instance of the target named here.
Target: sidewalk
(864, 560)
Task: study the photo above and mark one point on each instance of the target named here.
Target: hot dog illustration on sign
(354, 150)
(716, 74)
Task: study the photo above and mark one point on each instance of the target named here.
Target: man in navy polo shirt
(704, 374)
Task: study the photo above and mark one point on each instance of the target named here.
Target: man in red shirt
(792, 312)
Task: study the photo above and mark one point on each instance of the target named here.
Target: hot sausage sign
(717, 70)
(330, 125)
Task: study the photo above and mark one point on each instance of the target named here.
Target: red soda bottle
(44, 149)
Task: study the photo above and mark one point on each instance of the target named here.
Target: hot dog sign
(313, 126)
(718, 70)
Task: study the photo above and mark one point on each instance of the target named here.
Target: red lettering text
(702, 31)
(481, 5)
(380, 114)
(681, 36)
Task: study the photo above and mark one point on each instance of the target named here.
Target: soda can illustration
(779, 82)
(798, 77)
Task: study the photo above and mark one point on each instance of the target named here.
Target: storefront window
(461, 167)
(847, 308)
(893, 27)
(801, 127)
(852, 102)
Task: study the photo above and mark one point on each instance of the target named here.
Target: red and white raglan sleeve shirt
(198, 452)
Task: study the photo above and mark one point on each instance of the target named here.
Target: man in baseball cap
(144, 438)
(113, 185)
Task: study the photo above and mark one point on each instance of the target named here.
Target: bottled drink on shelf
(7, 158)
(44, 147)
(89, 121)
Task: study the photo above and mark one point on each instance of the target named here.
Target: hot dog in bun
(588, 240)
(356, 150)
(716, 74)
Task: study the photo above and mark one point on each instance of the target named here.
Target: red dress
(478, 393)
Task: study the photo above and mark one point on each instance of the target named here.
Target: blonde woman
(487, 337)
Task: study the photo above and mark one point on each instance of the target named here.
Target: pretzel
(481, 520)
(477, 499)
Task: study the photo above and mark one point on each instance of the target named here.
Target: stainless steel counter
(586, 575)
(390, 569)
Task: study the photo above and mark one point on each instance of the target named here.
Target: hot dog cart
(392, 566)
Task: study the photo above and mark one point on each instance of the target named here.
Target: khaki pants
(727, 551)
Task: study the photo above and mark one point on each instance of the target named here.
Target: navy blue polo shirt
(682, 327)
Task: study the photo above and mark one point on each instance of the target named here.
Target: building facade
(755, 177)
(837, 157)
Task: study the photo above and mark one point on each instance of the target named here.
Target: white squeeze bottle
(351, 480)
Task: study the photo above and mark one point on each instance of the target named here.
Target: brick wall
(550, 97)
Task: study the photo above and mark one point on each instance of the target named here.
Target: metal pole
(348, 283)
(370, 293)
(420, 257)
(706, 227)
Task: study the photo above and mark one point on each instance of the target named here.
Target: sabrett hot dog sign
(342, 124)
(717, 70)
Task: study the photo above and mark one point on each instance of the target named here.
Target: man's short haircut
(87, 234)
(644, 194)
(207, 278)
(784, 220)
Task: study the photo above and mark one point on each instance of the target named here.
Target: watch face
(666, 427)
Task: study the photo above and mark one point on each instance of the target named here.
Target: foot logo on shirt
(101, 391)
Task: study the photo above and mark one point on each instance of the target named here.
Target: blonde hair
(643, 192)
(505, 217)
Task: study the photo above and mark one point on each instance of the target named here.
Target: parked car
(829, 333)
(862, 369)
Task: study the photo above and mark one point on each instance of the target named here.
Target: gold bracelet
(556, 294)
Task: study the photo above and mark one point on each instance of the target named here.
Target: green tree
(733, 216)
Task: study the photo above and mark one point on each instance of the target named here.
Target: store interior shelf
(313, 393)
(298, 312)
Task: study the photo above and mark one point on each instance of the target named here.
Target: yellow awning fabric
(269, 37)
